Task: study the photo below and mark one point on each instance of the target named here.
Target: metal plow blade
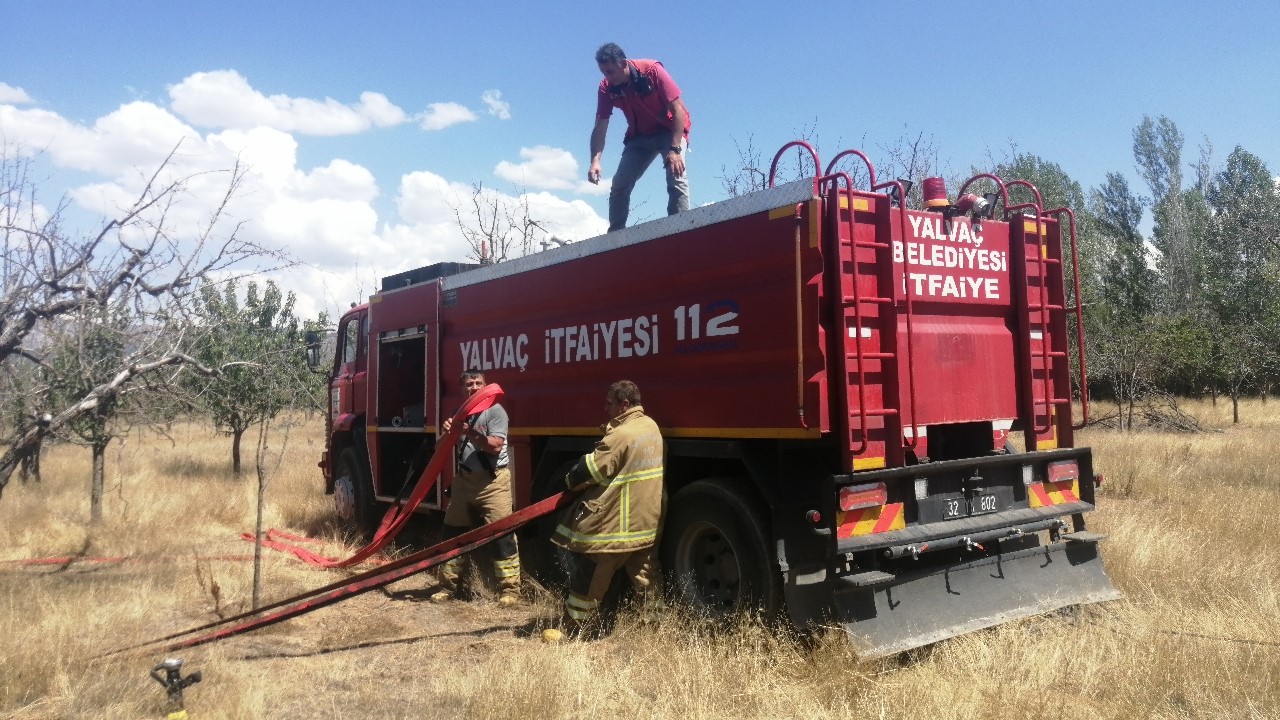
(890, 614)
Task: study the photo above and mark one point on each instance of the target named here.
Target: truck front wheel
(353, 492)
(716, 551)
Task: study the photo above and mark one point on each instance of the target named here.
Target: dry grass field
(1193, 544)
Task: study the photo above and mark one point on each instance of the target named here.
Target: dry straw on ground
(1193, 544)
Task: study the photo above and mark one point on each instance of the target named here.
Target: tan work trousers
(595, 573)
(477, 500)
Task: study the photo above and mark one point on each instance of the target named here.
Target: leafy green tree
(1241, 282)
(87, 353)
(1157, 149)
(1128, 282)
(1120, 335)
(244, 338)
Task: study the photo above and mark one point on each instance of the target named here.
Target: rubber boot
(448, 581)
(507, 570)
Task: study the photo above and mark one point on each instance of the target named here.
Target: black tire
(353, 492)
(717, 551)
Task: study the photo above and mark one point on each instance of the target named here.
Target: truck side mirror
(312, 339)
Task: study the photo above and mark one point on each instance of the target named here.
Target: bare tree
(749, 174)
(497, 227)
(907, 158)
(144, 261)
(911, 158)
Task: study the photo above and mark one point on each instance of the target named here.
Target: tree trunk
(96, 483)
(29, 467)
(236, 433)
(1235, 407)
(259, 460)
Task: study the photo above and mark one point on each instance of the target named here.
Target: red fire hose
(397, 515)
(391, 572)
(355, 585)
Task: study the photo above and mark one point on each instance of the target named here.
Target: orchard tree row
(1192, 306)
(148, 320)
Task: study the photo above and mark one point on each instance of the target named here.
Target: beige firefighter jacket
(621, 508)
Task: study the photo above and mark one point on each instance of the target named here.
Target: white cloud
(224, 99)
(441, 115)
(547, 168)
(498, 107)
(430, 231)
(566, 219)
(380, 110)
(137, 134)
(324, 216)
(16, 95)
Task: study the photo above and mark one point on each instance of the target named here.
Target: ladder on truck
(866, 314)
(1044, 374)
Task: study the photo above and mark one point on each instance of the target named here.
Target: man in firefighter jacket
(657, 126)
(615, 523)
(481, 493)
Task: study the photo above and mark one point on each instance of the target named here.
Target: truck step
(870, 577)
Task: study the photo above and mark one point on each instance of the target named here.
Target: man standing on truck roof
(657, 124)
(616, 521)
(481, 493)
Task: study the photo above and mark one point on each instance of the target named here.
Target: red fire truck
(837, 378)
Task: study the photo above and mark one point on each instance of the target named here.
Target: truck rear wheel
(716, 551)
(353, 492)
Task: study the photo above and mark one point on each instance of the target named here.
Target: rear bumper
(1012, 473)
(893, 613)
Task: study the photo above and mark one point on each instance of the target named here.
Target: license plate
(959, 507)
(983, 504)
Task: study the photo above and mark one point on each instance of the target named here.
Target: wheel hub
(708, 560)
(344, 496)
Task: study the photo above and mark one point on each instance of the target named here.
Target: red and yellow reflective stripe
(1049, 494)
(866, 521)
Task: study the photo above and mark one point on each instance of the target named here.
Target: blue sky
(363, 123)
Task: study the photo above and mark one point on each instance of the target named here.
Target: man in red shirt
(657, 124)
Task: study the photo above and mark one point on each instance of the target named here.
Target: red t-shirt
(646, 114)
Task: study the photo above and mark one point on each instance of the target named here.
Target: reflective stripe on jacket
(621, 508)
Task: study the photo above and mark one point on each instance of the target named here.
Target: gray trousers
(637, 154)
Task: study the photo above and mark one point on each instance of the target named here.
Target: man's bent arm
(679, 116)
(597, 148)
